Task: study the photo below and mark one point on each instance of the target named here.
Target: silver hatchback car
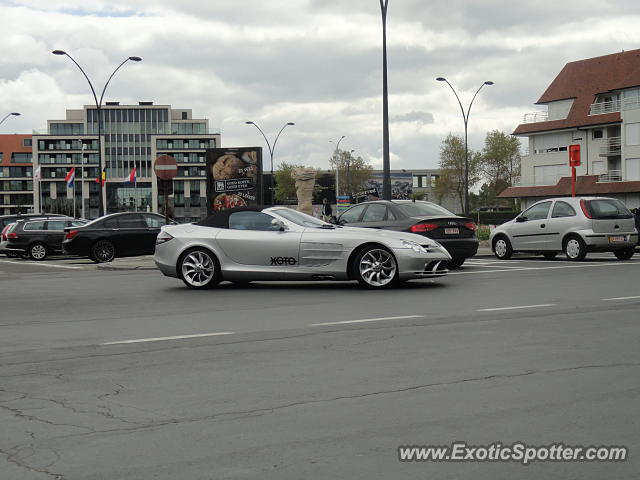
(573, 225)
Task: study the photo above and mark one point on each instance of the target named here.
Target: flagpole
(135, 184)
(82, 180)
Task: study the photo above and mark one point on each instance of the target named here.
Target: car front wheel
(575, 249)
(375, 267)
(502, 248)
(103, 251)
(199, 269)
(625, 253)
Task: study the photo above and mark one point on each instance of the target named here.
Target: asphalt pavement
(128, 374)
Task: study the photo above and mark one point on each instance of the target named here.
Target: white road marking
(516, 308)
(620, 298)
(41, 264)
(161, 339)
(522, 269)
(345, 322)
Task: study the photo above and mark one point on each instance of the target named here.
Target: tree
(353, 172)
(451, 179)
(285, 185)
(500, 161)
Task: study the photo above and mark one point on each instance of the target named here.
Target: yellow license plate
(616, 239)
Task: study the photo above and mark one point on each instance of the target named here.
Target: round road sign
(165, 167)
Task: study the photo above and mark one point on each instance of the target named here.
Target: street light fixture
(335, 154)
(271, 150)
(99, 110)
(465, 118)
(16, 114)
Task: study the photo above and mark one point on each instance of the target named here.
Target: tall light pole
(386, 167)
(16, 114)
(465, 118)
(271, 150)
(335, 154)
(99, 110)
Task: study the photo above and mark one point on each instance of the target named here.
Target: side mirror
(334, 220)
(279, 224)
(521, 219)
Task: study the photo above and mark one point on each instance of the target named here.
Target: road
(130, 375)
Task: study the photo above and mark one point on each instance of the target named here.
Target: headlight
(416, 247)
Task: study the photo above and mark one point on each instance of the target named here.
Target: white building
(594, 103)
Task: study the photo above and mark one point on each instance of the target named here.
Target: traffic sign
(574, 155)
(165, 167)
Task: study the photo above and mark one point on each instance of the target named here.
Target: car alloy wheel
(38, 251)
(103, 252)
(200, 269)
(377, 268)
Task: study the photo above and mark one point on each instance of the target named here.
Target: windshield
(301, 219)
(608, 208)
(419, 209)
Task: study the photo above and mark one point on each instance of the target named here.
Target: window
(375, 213)
(131, 221)
(111, 223)
(34, 226)
(19, 157)
(597, 133)
(352, 215)
(153, 221)
(27, 142)
(184, 116)
(537, 212)
(56, 225)
(562, 209)
(608, 208)
(632, 134)
(251, 221)
(418, 209)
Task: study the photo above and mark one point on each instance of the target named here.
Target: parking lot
(312, 380)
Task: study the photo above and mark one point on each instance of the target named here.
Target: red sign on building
(574, 155)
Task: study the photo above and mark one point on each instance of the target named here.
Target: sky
(317, 63)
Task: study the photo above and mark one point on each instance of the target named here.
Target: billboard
(234, 178)
(401, 185)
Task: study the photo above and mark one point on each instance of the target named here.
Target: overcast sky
(313, 62)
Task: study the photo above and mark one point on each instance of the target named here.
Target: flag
(101, 180)
(71, 176)
(132, 177)
(37, 175)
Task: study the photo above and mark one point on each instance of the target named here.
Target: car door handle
(542, 225)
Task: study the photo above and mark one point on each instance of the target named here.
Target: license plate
(616, 239)
(451, 231)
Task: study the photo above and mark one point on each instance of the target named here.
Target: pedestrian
(326, 210)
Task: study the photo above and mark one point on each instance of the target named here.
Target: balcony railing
(534, 117)
(605, 107)
(611, 176)
(612, 146)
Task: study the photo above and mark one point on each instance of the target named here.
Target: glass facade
(124, 197)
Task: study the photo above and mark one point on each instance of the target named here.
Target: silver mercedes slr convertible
(246, 244)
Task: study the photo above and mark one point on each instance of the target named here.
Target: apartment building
(132, 137)
(594, 103)
(16, 174)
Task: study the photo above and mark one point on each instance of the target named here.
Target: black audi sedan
(116, 235)
(38, 237)
(456, 234)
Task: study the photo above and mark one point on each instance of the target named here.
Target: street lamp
(271, 150)
(386, 168)
(336, 153)
(465, 118)
(8, 115)
(99, 110)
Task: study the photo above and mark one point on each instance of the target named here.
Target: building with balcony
(594, 103)
(132, 137)
(16, 174)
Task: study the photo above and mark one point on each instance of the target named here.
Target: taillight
(163, 237)
(471, 226)
(12, 235)
(70, 234)
(422, 227)
(585, 209)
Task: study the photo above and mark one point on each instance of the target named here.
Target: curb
(124, 267)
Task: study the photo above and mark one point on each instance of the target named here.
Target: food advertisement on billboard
(234, 178)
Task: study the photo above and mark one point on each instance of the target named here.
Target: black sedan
(115, 235)
(456, 234)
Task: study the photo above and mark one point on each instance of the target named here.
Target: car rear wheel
(502, 248)
(38, 251)
(376, 267)
(575, 249)
(625, 253)
(199, 269)
(103, 251)
(550, 255)
(456, 262)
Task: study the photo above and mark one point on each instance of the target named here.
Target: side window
(353, 214)
(34, 226)
(154, 222)
(111, 223)
(131, 221)
(56, 225)
(537, 212)
(76, 223)
(375, 213)
(562, 209)
(251, 221)
(390, 215)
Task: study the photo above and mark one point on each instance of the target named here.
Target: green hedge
(494, 218)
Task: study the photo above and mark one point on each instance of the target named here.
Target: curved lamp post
(337, 150)
(99, 110)
(465, 118)
(271, 150)
(16, 114)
